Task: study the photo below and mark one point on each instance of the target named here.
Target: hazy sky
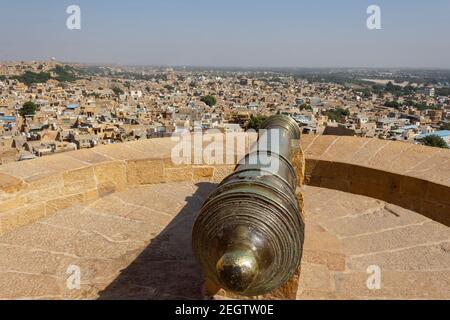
(288, 33)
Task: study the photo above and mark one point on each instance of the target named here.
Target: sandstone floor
(137, 245)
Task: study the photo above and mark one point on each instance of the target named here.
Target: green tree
(64, 73)
(305, 107)
(443, 91)
(28, 109)
(209, 100)
(30, 77)
(392, 104)
(445, 126)
(366, 93)
(255, 122)
(337, 115)
(117, 91)
(434, 141)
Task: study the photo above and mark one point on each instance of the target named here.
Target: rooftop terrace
(123, 214)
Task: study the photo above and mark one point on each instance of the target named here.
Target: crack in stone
(329, 148)
(366, 212)
(311, 144)
(386, 230)
(413, 169)
(140, 207)
(359, 150)
(377, 152)
(52, 276)
(32, 249)
(424, 245)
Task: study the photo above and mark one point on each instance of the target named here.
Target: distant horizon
(227, 67)
(229, 34)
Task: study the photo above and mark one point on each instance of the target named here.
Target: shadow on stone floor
(166, 269)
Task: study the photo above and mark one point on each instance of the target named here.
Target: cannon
(248, 237)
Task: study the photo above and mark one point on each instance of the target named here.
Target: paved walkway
(136, 244)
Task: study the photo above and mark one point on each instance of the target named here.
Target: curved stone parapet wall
(38, 188)
(413, 177)
(410, 176)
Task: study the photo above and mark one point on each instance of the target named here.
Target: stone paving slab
(411, 251)
(136, 244)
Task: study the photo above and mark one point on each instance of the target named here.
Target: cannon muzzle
(248, 237)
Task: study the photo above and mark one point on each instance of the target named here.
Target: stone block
(142, 172)
(42, 182)
(221, 172)
(20, 217)
(203, 173)
(178, 174)
(42, 188)
(10, 184)
(169, 164)
(79, 175)
(30, 214)
(44, 195)
(91, 195)
(78, 181)
(12, 203)
(111, 177)
(64, 202)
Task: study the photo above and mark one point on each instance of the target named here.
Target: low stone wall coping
(412, 176)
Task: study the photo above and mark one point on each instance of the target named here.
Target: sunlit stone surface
(135, 244)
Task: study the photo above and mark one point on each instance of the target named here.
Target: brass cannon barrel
(248, 237)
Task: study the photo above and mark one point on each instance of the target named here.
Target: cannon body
(248, 237)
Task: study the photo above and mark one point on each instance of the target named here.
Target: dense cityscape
(50, 107)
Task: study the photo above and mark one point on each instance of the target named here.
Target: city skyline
(261, 34)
